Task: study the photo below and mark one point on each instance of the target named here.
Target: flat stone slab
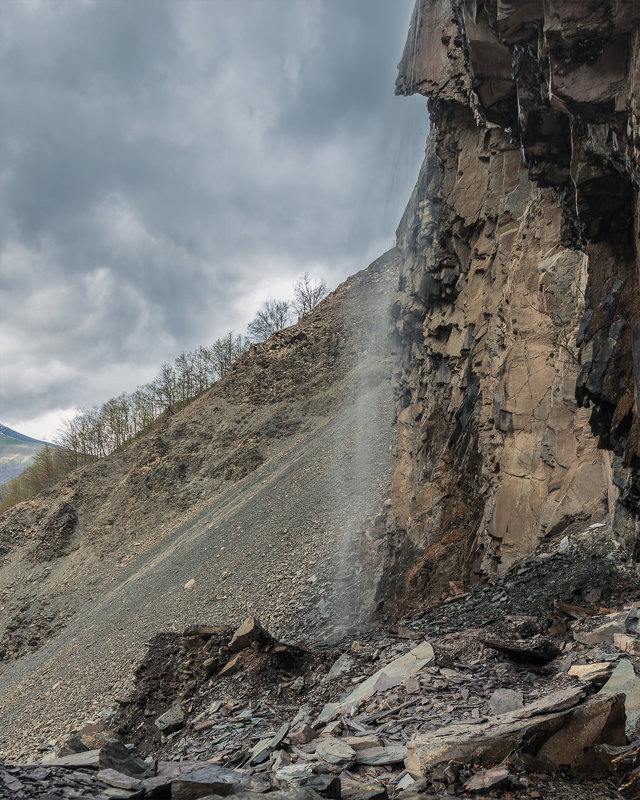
(591, 673)
(172, 720)
(362, 742)
(340, 666)
(486, 778)
(624, 679)
(381, 756)
(90, 759)
(335, 752)
(385, 678)
(561, 738)
(294, 773)
(231, 667)
(502, 701)
(603, 634)
(630, 644)
(199, 775)
(120, 780)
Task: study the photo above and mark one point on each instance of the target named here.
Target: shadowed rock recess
(421, 502)
(518, 309)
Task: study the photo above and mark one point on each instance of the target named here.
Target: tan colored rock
(630, 644)
(88, 759)
(560, 738)
(231, 667)
(365, 742)
(302, 734)
(333, 728)
(591, 673)
(250, 631)
(486, 779)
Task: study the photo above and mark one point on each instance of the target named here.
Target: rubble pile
(523, 707)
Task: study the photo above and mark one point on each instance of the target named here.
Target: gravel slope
(272, 543)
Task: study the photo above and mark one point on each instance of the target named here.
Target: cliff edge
(518, 309)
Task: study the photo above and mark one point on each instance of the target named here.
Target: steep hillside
(251, 498)
(518, 303)
(457, 423)
(16, 452)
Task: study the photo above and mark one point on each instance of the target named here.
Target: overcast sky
(168, 165)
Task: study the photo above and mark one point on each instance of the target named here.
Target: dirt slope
(254, 493)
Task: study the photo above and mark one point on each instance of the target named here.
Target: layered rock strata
(518, 313)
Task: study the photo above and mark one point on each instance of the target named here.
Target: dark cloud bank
(168, 165)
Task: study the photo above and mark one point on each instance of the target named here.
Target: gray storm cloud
(166, 166)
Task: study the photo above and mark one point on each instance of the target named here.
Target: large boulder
(558, 731)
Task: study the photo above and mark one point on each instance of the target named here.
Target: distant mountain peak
(5, 431)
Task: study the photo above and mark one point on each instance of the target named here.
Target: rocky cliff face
(518, 311)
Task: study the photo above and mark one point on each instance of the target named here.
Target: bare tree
(308, 294)
(273, 316)
(226, 350)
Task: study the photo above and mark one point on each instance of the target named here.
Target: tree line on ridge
(94, 433)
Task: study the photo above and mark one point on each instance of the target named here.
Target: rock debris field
(244, 503)
(524, 706)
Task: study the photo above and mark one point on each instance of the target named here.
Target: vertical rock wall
(517, 314)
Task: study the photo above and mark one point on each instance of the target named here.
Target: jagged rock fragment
(115, 755)
(172, 720)
(250, 631)
(486, 779)
(231, 667)
(335, 753)
(341, 665)
(630, 644)
(263, 749)
(302, 734)
(591, 673)
(619, 760)
(632, 622)
(557, 739)
(381, 756)
(624, 679)
(390, 675)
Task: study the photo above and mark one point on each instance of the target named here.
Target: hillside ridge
(255, 493)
